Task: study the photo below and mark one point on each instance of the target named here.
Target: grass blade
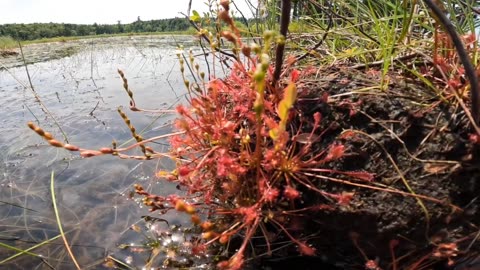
(26, 251)
(59, 224)
(17, 205)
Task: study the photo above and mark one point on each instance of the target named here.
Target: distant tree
(47, 30)
(120, 27)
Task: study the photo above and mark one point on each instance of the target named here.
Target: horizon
(100, 12)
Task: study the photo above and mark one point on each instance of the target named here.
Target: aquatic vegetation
(251, 163)
(240, 160)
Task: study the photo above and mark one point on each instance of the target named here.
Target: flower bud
(229, 36)
(224, 16)
(195, 219)
(224, 239)
(207, 235)
(246, 51)
(55, 143)
(31, 125)
(207, 225)
(190, 209)
(71, 147)
(255, 48)
(106, 150)
(180, 206)
(90, 153)
(48, 136)
(268, 34)
(225, 4)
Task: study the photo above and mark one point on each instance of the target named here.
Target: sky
(97, 11)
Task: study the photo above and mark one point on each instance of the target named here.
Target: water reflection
(82, 90)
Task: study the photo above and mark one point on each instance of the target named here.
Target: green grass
(59, 222)
(7, 42)
(299, 26)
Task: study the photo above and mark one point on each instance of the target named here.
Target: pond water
(79, 85)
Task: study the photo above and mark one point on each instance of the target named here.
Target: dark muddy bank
(422, 208)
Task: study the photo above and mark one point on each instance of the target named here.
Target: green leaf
(274, 133)
(283, 110)
(290, 95)
(195, 17)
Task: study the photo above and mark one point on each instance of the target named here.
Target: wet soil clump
(422, 209)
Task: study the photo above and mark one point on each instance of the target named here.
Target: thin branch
(284, 22)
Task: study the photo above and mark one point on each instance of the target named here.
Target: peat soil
(422, 209)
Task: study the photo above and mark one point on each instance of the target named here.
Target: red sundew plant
(237, 151)
(447, 63)
(242, 162)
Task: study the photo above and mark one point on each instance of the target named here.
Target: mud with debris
(422, 209)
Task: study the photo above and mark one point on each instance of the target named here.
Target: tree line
(48, 30)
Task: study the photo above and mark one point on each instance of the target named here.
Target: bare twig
(284, 22)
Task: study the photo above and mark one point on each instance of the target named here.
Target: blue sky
(99, 11)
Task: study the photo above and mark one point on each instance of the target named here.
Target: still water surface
(79, 84)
